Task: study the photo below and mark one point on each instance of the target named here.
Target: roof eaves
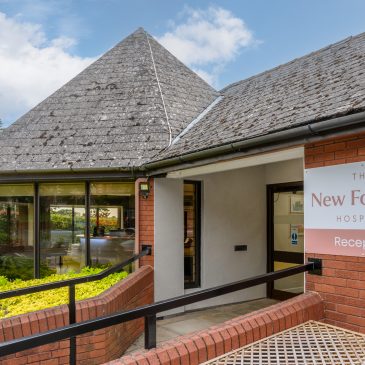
(303, 133)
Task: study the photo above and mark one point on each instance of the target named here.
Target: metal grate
(311, 343)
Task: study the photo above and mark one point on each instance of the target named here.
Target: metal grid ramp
(311, 343)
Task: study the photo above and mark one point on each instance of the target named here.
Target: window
(192, 208)
(16, 231)
(62, 227)
(56, 240)
(111, 222)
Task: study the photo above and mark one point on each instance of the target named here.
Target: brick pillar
(145, 221)
(342, 285)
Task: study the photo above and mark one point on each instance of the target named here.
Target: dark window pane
(191, 234)
(112, 222)
(16, 231)
(62, 227)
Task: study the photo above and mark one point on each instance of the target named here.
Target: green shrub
(50, 298)
(14, 267)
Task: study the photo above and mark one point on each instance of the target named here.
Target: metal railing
(71, 291)
(149, 312)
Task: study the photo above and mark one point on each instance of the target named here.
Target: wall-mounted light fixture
(144, 189)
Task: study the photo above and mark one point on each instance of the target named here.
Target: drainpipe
(304, 133)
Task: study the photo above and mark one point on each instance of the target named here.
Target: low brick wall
(92, 348)
(204, 345)
(342, 288)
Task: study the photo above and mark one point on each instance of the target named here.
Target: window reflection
(16, 231)
(112, 222)
(62, 226)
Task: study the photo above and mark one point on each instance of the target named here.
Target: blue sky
(44, 43)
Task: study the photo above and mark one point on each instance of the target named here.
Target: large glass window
(62, 227)
(192, 234)
(16, 231)
(112, 222)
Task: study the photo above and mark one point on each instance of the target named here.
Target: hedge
(50, 298)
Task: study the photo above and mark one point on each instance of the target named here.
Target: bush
(13, 268)
(50, 298)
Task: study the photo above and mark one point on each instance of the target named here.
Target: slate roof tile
(322, 85)
(111, 114)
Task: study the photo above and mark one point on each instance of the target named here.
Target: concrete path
(178, 325)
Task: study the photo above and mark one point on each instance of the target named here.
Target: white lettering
(351, 242)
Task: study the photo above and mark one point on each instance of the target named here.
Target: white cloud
(210, 77)
(32, 66)
(207, 39)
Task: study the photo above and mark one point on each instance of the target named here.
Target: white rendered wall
(283, 172)
(169, 238)
(233, 213)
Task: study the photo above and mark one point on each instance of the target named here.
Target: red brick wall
(145, 221)
(342, 285)
(335, 151)
(92, 348)
(207, 344)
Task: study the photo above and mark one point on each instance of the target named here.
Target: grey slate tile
(111, 114)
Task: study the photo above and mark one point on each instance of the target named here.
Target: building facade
(224, 185)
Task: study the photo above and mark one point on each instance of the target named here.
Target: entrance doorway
(285, 237)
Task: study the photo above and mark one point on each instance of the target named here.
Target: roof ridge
(160, 89)
(198, 118)
(345, 40)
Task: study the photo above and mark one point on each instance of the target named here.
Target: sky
(44, 43)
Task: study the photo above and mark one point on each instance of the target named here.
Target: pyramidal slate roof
(321, 85)
(118, 113)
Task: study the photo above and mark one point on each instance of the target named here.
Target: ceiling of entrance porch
(238, 163)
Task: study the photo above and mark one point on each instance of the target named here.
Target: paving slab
(182, 324)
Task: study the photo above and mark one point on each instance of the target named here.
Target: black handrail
(149, 311)
(71, 292)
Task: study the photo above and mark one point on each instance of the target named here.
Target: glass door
(286, 237)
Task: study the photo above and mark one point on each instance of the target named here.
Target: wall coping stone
(200, 346)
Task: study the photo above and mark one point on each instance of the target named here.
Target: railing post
(150, 332)
(72, 319)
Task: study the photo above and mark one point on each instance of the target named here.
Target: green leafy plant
(50, 298)
(14, 267)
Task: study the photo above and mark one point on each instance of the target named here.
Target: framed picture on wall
(297, 204)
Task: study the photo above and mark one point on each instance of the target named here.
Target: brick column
(145, 221)
(342, 285)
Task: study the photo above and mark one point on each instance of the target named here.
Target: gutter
(96, 174)
(304, 134)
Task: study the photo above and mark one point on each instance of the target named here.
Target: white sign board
(334, 210)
